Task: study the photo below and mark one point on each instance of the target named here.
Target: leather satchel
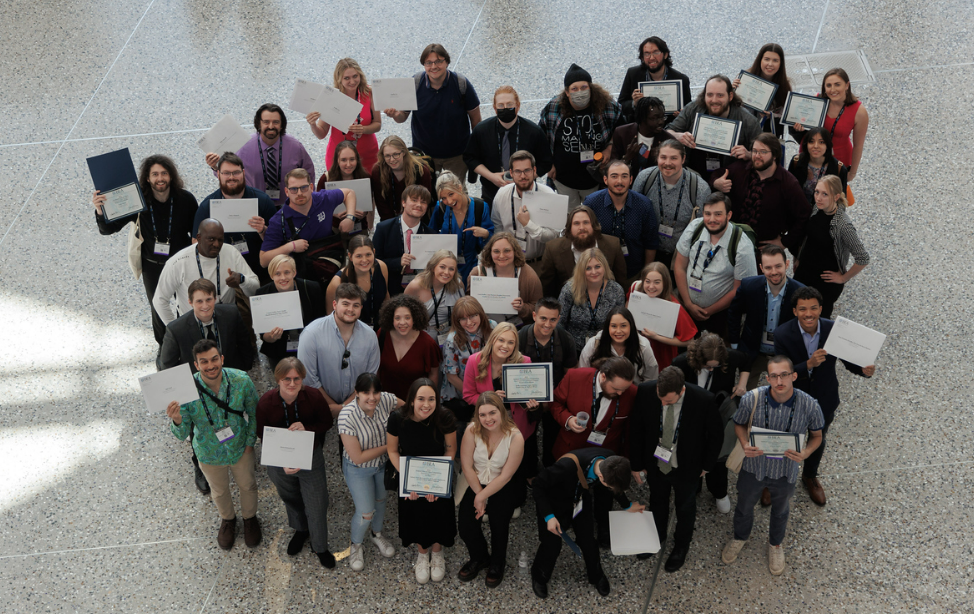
(736, 458)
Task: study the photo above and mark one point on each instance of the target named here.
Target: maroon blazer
(574, 394)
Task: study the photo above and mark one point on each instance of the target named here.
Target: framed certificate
(670, 92)
(754, 92)
(716, 134)
(776, 444)
(122, 202)
(809, 111)
(524, 382)
(425, 475)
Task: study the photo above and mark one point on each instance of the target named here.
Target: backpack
(461, 81)
(736, 231)
(694, 175)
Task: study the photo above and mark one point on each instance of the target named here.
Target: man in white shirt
(509, 213)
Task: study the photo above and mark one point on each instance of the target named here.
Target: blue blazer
(822, 383)
(389, 248)
(750, 304)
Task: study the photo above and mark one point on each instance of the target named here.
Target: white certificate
(854, 343)
(280, 309)
(528, 381)
(715, 134)
(656, 314)
(122, 201)
(162, 388)
(362, 189)
(398, 94)
(284, 448)
(226, 135)
(495, 293)
(809, 111)
(337, 109)
(304, 96)
(233, 213)
(755, 92)
(670, 92)
(424, 246)
(402, 465)
(802, 438)
(633, 533)
(547, 210)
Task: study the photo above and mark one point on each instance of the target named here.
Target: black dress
(373, 299)
(422, 522)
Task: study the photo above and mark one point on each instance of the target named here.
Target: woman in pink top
(350, 80)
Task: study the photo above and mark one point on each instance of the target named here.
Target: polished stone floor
(99, 513)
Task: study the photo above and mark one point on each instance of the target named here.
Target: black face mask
(507, 115)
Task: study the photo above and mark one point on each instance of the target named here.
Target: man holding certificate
(785, 415)
(510, 213)
(802, 340)
(655, 64)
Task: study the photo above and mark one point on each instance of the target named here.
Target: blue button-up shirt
(771, 323)
(321, 349)
(639, 230)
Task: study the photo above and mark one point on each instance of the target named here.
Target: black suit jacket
(636, 75)
(183, 333)
(701, 430)
(482, 148)
(389, 248)
(554, 488)
(722, 381)
(751, 304)
(822, 382)
(558, 262)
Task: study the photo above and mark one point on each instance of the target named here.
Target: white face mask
(581, 99)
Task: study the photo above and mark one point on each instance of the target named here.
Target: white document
(633, 533)
(122, 201)
(281, 309)
(226, 135)
(495, 293)
(402, 482)
(656, 314)
(547, 210)
(398, 94)
(362, 189)
(162, 388)
(854, 342)
(304, 96)
(233, 213)
(337, 109)
(424, 246)
(802, 437)
(283, 448)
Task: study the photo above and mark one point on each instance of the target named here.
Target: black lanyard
(710, 377)
(280, 159)
(767, 413)
(436, 305)
(297, 418)
(706, 262)
(224, 405)
(216, 332)
(596, 404)
(462, 233)
(358, 120)
(676, 431)
(679, 198)
(588, 301)
(514, 216)
(200, 267)
(550, 346)
(297, 231)
(500, 138)
(153, 222)
(836, 123)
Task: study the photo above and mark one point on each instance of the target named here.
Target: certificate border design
(449, 484)
(798, 443)
(667, 82)
(737, 133)
(138, 189)
(791, 95)
(545, 366)
(773, 92)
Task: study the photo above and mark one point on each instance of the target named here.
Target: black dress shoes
(602, 586)
(540, 589)
(297, 542)
(201, 484)
(677, 558)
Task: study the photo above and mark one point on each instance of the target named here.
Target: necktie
(505, 151)
(270, 171)
(208, 331)
(669, 427)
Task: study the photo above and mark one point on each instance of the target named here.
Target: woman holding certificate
(503, 257)
(424, 428)
(830, 240)
(280, 343)
(350, 80)
(655, 282)
(346, 166)
(397, 168)
(407, 352)
(366, 272)
(456, 213)
(769, 65)
(490, 456)
(469, 329)
(815, 160)
(618, 337)
(438, 288)
(588, 297)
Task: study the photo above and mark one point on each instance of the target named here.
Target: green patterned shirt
(240, 394)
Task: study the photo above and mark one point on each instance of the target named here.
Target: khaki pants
(575, 197)
(455, 165)
(243, 475)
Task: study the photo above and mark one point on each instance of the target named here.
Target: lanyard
(153, 222)
(297, 231)
(706, 262)
(200, 267)
(493, 273)
(280, 159)
(514, 221)
(358, 120)
(550, 346)
(679, 198)
(676, 431)
(595, 407)
(297, 418)
(224, 405)
(500, 138)
(216, 332)
(596, 308)
(767, 413)
(436, 305)
(463, 235)
(836, 123)
(619, 220)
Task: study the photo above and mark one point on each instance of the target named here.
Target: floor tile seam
(821, 23)
(658, 563)
(930, 67)
(112, 547)
(216, 579)
(99, 138)
(470, 33)
(895, 469)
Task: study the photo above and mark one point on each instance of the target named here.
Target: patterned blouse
(455, 361)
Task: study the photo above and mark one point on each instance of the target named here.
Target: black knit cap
(576, 73)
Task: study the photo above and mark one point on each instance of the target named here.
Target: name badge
(274, 194)
(292, 346)
(161, 249)
(441, 338)
(665, 231)
(695, 284)
(596, 438)
(625, 250)
(587, 156)
(767, 338)
(663, 454)
(578, 509)
(462, 259)
(242, 247)
(407, 278)
(523, 243)
(713, 164)
(225, 434)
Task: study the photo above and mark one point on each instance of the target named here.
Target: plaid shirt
(551, 119)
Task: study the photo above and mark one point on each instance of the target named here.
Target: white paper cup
(582, 419)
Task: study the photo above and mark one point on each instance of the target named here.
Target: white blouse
(650, 367)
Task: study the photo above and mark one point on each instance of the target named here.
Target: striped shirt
(370, 432)
(770, 414)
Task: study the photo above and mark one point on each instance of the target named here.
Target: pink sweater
(472, 390)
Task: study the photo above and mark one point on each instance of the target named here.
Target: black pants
(717, 480)
(150, 279)
(527, 469)
(684, 489)
(814, 460)
(716, 323)
(549, 434)
(547, 554)
(500, 509)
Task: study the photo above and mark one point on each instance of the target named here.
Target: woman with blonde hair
(279, 343)
(469, 329)
(350, 80)
(457, 213)
(503, 257)
(396, 169)
(655, 281)
(438, 287)
(588, 297)
(830, 240)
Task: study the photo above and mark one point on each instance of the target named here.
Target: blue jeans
(368, 490)
(748, 492)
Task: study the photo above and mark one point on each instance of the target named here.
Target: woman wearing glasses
(350, 80)
(407, 352)
(397, 168)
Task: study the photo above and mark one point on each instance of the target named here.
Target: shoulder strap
(696, 233)
(418, 79)
(694, 176)
(735, 239)
(578, 466)
(753, 410)
(220, 402)
(478, 211)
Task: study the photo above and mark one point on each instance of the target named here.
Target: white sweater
(182, 270)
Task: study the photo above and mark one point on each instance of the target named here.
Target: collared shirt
(532, 237)
(440, 125)
(641, 225)
(315, 225)
(811, 340)
(719, 276)
(206, 444)
(370, 431)
(294, 156)
(774, 312)
(321, 349)
(677, 408)
(577, 254)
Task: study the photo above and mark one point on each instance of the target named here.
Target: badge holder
(596, 438)
(663, 454)
(161, 249)
(292, 340)
(241, 247)
(225, 434)
(273, 194)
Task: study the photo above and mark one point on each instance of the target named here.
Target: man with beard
(655, 64)
(711, 264)
(766, 196)
(582, 231)
(272, 150)
(629, 216)
(231, 173)
(510, 214)
(165, 226)
(716, 99)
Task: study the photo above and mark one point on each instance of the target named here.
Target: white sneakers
(731, 550)
(423, 567)
(437, 566)
(776, 559)
(385, 548)
(356, 560)
(723, 505)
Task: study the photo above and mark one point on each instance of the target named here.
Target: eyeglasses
(774, 377)
(231, 173)
(299, 189)
(432, 63)
(519, 173)
(291, 380)
(761, 152)
(393, 156)
(345, 359)
(652, 54)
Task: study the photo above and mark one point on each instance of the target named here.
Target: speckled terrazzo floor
(98, 510)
